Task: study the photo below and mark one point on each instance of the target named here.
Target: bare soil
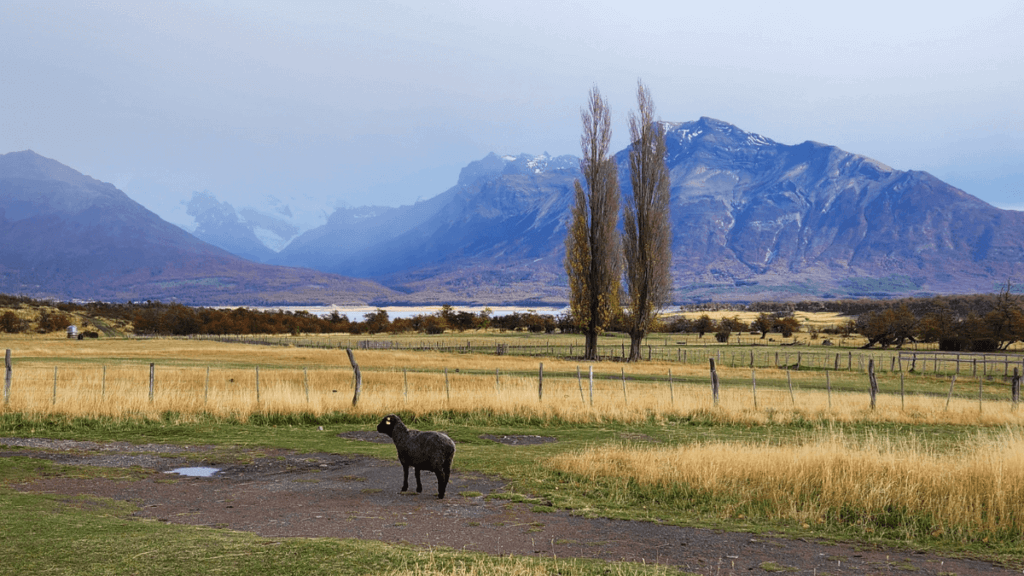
(278, 494)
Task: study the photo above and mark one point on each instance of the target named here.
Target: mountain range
(65, 235)
(752, 219)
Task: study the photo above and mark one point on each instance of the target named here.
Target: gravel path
(286, 494)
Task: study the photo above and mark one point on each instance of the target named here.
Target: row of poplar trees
(595, 252)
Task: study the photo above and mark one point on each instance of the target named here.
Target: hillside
(65, 235)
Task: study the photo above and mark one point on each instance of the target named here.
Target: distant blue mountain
(217, 223)
(65, 235)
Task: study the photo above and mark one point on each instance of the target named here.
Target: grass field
(922, 470)
(111, 378)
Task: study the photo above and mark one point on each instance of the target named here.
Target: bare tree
(592, 258)
(1006, 320)
(647, 237)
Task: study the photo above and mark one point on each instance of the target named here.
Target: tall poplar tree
(647, 236)
(592, 256)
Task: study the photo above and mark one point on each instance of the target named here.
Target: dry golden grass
(977, 488)
(818, 320)
(221, 383)
(182, 386)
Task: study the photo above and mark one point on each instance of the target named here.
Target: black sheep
(430, 451)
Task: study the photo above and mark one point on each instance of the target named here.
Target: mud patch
(366, 436)
(519, 440)
(638, 437)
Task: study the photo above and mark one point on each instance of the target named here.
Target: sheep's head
(388, 424)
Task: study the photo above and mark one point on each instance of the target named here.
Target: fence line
(989, 365)
(870, 384)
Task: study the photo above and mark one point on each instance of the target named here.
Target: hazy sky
(328, 103)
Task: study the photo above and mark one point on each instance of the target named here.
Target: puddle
(198, 471)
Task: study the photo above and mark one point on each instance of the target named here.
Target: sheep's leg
(442, 483)
(405, 479)
(419, 485)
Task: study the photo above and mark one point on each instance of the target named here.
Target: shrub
(10, 323)
(53, 322)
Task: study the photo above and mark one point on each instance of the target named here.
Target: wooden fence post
(405, 383)
(903, 404)
(714, 381)
(152, 375)
(789, 382)
(1015, 388)
(206, 388)
(874, 382)
(258, 385)
(979, 395)
(497, 381)
(672, 394)
(753, 386)
(359, 376)
(591, 385)
(8, 373)
(950, 395)
(447, 388)
(54, 401)
(624, 398)
(103, 383)
(579, 382)
(540, 382)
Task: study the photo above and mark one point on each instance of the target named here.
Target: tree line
(175, 319)
(957, 323)
(978, 323)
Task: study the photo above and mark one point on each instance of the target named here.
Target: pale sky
(331, 103)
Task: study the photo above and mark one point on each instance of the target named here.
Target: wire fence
(751, 355)
(140, 387)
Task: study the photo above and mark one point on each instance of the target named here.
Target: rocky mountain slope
(752, 216)
(493, 238)
(751, 219)
(219, 224)
(68, 236)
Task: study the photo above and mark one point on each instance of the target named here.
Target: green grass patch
(775, 567)
(45, 534)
